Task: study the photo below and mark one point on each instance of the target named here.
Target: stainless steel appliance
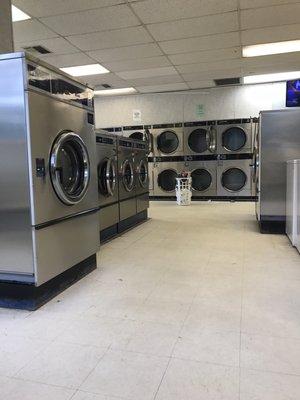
(204, 178)
(167, 140)
(292, 167)
(151, 168)
(141, 175)
(165, 174)
(107, 167)
(234, 136)
(134, 132)
(126, 178)
(278, 142)
(234, 178)
(48, 199)
(200, 137)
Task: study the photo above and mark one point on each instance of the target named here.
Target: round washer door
(234, 138)
(69, 168)
(167, 142)
(198, 140)
(201, 179)
(234, 179)
(107, 177)
(143, 173)
(167, 180)
(127, 175)
(137, 135)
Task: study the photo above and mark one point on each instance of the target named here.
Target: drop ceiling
(160, 45)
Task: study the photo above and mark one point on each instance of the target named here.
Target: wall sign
(199, 110)
(137, 115)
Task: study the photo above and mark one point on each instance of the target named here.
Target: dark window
(234, 179)
(198, 140)
(201, 179)
(137, 135)
(167, 180)
(167, 142)
(234, 138)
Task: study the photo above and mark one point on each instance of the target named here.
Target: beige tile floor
(195, 304)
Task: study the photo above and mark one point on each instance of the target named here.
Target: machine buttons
(40, 167)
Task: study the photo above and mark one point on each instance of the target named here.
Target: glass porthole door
(107, 177)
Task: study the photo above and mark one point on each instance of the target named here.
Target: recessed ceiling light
(18, 15)
(83, 70)
(271, 48)
(112, 92)
(281, 76)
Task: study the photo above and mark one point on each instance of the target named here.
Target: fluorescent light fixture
(83, 70)
(112, 92)
(265, 49)
(18, 15)
(281, 76)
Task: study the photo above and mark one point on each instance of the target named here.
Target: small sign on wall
(137, 115)
(200, 110)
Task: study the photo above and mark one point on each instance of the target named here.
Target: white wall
(219, 103)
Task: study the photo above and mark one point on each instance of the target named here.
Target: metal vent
(106, 86)
(36, 50)
(227, 81)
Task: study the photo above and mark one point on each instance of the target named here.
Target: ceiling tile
(138, 63)
(195, 26)
(208, 75)
(109, 79)
(31, 29)
(68, 60)
(109, 39)
(270, 16)
(262, 3)
(201, 84)
(44, 8)
(206, 56)
(144, 73)
(272, 60)
(156, 80)
(273, 34)
(163, 88)
(209, 66)
(210, 42)
(92, 20)
(126, 53)
(57, 45)
(151, 11)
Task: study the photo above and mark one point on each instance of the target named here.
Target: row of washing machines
(123, 182)
(218, 154)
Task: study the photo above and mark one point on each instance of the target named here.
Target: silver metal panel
(16, 254)
(291, 199)
(279, 142)
(244, 166)
(61, 246)
(108, 216)
(142, 202)
(127, 208)
(211, 168)
(246, 127)
(48, 117)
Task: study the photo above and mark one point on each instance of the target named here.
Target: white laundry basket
(184, 191)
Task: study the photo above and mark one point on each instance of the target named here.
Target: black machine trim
(234, 121)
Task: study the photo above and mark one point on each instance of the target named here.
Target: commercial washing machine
(126, 180)
(165, 174)
(48, 222)
(204, 178)
(234, 178)
(234, 136)
(134, 132)
(107, 167)
(200, 138)
(167, 140)
(141, 175)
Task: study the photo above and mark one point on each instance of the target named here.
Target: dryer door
(128, 175)
(234, 179)
(198, 140)
(143, 173)
(107, 177)
(201, 179)
(69, 168)
(167, 142)
(167, 180)
(137, 135)
(234, 138)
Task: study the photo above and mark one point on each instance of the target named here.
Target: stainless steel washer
(107, 167)
(234, 178)
(200, 137)
(167, 140)
(204, 178)
(234, 136)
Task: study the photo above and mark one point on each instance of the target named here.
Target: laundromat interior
(150, 200)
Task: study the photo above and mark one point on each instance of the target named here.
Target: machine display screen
(293, 93)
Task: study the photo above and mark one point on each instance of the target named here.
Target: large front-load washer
(167, 140)
(234, 178)
(126, 178)
(49, 206)
(107, 168)
(204, 178)
(200, 138)
(234, 136)
(165, 174)
(141, 175)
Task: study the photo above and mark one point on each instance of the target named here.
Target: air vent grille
(227, 81)
(36, 50)
(106, 86)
